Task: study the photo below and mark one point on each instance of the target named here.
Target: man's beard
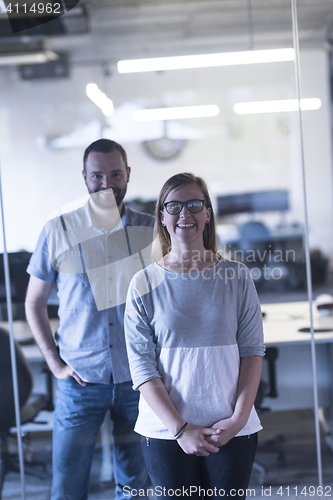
(110, 199)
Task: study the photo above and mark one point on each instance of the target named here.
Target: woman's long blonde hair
(162, 241)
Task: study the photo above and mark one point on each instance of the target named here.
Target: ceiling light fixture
(100, 99)
(249, 108)
(177, 113)
(205, 60)
(19, 58)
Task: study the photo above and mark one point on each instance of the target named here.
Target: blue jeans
(175, 474)
(79, 414)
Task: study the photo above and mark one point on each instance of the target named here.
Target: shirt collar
(83, 217)
(80, 226)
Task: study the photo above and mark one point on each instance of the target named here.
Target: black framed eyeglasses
(193, 206)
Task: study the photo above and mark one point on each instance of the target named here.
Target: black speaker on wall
(52, 69)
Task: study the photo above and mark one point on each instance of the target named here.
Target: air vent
(50, 70)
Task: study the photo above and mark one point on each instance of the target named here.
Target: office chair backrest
(7, 411)
(254, 231)
(254, 236)
(268, 389)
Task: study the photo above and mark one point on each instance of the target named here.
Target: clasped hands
(202, 441)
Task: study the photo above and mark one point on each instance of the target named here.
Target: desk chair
(254, 243)
(30, 407)
(254, 234)
(268, 390)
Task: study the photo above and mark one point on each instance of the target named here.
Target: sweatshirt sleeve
(139, 335)
(250, 335)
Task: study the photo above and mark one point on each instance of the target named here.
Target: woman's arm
(192, 440)
(248, 383)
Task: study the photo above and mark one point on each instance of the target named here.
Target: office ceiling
(104, 31)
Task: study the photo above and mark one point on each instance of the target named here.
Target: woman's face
(186, 227)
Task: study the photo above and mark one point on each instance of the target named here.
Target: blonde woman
(195, 346)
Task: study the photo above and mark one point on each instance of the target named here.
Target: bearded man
(91, 254)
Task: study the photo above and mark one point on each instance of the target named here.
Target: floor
(286, 449)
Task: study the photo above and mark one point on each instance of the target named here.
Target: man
(91, 253)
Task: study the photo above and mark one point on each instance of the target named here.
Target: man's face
(106, 171)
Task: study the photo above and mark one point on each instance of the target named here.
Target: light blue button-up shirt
(92, 270)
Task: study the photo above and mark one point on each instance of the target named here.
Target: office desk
(231, 235)
(293, 366)
(283, 240)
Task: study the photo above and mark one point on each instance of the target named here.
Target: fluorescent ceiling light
(249, 108)
(146, 115)
(20, 58)
(206, 60)
(100, 99)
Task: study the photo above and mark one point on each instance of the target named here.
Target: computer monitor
(257, 201)
(18, 263)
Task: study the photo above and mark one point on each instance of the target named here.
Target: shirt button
(111, 345)
(110, 324)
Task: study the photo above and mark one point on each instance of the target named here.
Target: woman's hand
(194, 440)
(228, 427)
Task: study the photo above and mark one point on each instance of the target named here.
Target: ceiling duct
(17, 53)
(58, 68)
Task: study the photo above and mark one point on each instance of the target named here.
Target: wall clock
(164, 148)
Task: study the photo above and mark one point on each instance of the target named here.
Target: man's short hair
(104, 146)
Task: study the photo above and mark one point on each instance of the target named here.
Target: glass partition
(315, 53)
(247, 148)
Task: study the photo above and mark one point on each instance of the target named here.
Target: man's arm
(36, 313)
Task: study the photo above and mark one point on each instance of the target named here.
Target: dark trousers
(175, 474)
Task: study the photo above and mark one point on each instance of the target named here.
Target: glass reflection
(251, 162)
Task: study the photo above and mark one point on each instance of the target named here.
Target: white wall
(234, 154)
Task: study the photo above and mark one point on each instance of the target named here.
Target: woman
(195, 346)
